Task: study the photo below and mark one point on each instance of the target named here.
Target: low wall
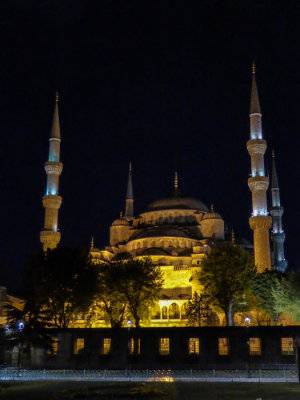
(170, 348)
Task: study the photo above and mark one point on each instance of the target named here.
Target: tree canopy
(59, 284)
(262, 287)
(197, 311)
(286, 294)
(129, 287)
(226, 275)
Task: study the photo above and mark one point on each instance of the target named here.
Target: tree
(60, 283)
(286, 294)
(262, 287)
(140, 284)
(109, 294)
(197, 310)
(129, 286)
(226, 275)
(25, 331)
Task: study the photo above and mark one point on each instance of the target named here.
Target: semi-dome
(178, 202)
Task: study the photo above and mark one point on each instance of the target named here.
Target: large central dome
(178, 202)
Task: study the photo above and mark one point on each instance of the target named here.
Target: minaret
(260, 222)
(50, 236)
(276, 211)
(129, 197)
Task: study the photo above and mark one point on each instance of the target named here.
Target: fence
(212, 375)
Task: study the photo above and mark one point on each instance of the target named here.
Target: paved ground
(149, 391)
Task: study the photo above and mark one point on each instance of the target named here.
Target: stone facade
(176, 233)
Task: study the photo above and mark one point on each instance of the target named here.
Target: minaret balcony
(256, 146)
(50, 201)
(258, 183)
(53, 167)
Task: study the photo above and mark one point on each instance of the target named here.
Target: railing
(212, 375)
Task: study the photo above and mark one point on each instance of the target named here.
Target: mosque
(176, 232)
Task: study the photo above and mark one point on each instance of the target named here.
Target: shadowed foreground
(167, 391)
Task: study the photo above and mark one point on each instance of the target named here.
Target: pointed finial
(212, 208)
(121, 214)
(274, 179)
(176, 181)
(130, 167)
(92, 243)
(56, 99)
(254, 103)
(232, 236)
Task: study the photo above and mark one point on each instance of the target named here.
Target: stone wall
(106, 348)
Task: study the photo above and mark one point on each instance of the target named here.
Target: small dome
(120, 221)
(178, 202)
(212, 214)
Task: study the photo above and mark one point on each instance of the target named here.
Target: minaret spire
(260, 222)
(254, 103)
(50, 236)
(278, 236)
(176, 181)
(129, 196)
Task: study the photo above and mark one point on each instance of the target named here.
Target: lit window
(132, 343)
(174, 312)
(78, 345)
(164, 313)
(106, 345)
(54, 346)
(155, 312)
(223, 346)
(194, 346)
(287, 346)
(164, 346)
(254, 347)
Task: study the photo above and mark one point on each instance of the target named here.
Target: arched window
(174, 312)
(164, 313)
(184, 311)
(155, 312)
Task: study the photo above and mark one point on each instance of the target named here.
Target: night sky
(163, 84)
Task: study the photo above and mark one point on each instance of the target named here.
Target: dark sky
(164, 84)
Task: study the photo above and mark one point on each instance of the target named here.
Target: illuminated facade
(176, 232)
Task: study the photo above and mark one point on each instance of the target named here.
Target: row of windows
(160, 243)
(154, 220)
(134, 346)
(173, 312)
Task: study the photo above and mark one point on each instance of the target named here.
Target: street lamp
(129, 323)
(247, 321)
(20, 328)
